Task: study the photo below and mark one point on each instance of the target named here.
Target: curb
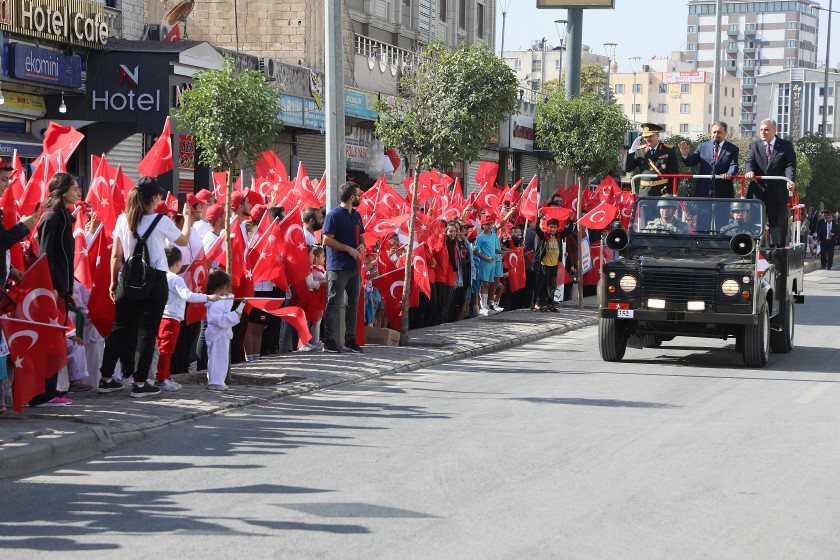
(39, 454)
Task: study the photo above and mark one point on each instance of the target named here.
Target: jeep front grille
(677, 287)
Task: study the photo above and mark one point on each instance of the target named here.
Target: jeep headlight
(730, 287)
(628, 283)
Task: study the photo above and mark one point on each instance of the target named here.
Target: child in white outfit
(220, 322)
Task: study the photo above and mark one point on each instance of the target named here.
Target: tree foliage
(593, 79)
(584, 133)
(233, 115)
(824, 160)
(453, 103)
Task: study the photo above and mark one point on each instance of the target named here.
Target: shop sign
(518, 133)
(796, 110)
(356, 147)
(684, 77)
(186, 151)
(49, 67)
(360, 104)
(301, 113)
(24, 104)
(74, 22)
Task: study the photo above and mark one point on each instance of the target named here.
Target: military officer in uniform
(740, 212)
(667, 220)
(650, 156)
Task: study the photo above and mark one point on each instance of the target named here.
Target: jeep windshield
(697, 216)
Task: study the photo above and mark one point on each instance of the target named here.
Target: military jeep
(699, 267)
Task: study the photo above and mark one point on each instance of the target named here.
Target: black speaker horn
(742, 244)
(617, 239)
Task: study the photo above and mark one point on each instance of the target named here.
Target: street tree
(234, 115)
(593, 79)
(452, 104)
(584, 134)
(824, 160)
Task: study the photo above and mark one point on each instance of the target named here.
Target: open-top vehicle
(699, 267)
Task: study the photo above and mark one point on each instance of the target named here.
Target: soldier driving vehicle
(650, 156)
(722, 282)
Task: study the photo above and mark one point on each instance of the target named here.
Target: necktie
(717, 150)
(767, 150)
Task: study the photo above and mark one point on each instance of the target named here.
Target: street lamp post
(634, 60)
(557, 24)
(825, 84)
(610, 55)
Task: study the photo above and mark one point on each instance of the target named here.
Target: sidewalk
(42, 438)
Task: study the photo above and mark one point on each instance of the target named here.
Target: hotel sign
(74, 22)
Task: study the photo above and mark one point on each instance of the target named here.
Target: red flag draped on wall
(159, 159)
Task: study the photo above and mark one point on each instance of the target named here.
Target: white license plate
(625, 313)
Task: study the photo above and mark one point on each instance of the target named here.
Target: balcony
(378, 65)
(732, 49)
(749, 32)
(732, 30)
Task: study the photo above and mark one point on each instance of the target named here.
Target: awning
(27, 146)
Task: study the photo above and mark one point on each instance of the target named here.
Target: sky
(638, 29)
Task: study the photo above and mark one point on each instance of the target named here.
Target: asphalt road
(542, 451)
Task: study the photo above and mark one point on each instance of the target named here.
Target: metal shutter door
(127, 153)
(312, 151)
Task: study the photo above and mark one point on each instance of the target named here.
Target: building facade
(543, 63)
(668, 92)
(757, 37)
(795, 98)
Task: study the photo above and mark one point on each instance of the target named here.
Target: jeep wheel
(781, 337)
(612, 342)
(651, 341)
(757, 341)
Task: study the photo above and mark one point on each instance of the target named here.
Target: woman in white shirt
(136, 321)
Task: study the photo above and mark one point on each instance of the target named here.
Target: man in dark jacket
(772, 156)
(650, 156)
(827, 234)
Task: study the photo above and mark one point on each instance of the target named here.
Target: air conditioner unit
(267, 65)
(152, 32)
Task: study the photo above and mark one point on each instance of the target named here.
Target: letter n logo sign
(129, 76)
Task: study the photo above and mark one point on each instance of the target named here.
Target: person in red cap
(485, 249)
(206, 199)
(215, 216)
(257, 318)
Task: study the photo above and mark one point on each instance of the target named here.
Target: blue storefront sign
(360, 104)
(48, 67)
(301, 113)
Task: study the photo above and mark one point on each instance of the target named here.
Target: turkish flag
(264, 259)
(455, 204)
(17, 181)
(174, 34)
(36, 189)
(217, 253)
(81, 260)
(625, 208)
(369, 200)
(159, 159)
(563, 274)
(64, 139)
(390, 286)
(599, 217)
(515, 264)
(419, 263)
(195, 277)
(487, 173)
(390, 203)
(171, 203)
(608, 190)
(291, 314)
(238, 247)
(122, 186)
(592, 277)
(11, 216)
(220, 186)
(38, 351)
(100, 305)
(557, 213)
(270, 166)
(569, 196)
(424, 186)
(376, 229)
(528, 206)
(488, 198)
(429, 231)
(293, 251)
(590, 199)
(100, 194)
(33, 295)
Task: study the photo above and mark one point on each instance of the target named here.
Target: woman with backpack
(140, 292)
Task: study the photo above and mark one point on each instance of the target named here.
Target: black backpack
(137, 274)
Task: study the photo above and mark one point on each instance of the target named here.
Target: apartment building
(544, 63)
(795, 98)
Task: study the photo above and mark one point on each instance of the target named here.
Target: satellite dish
(178, 13)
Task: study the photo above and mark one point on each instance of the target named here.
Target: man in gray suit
(772, 156)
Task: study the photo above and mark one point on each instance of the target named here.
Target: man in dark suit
(826, 234)
(650, 156)
(772, 156)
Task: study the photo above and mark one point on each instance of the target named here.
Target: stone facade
(133, 18)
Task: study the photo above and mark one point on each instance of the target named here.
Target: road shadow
(610, 403)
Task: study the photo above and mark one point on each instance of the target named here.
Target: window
(791, 25)
(830, 110)
(830, 91)
(746, 99)
(724, 112)
(442, 6)
(619, 88)
(462, 14)
(749, 63)
(406, 2)
(479, 20)
(685, 108)
(557, 65)
(637, 88)
(535, 85)
(663, 88)
(637, 108)
(692, 29)
(790, 62)
(692, 46)
(536, 65)
(725, 91)
(733, 28)
(750, 27)
(790, 43)
(683, 129)
(517, 64)
(685, 88)
(662, 108)
(747, 82)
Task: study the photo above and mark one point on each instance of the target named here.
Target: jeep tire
(781, 336)
(612, 341)
(757, 341)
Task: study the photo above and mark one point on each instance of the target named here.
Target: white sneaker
(498, 309)
(484, 312)
(169, 385)
(319, 346)
(307, 348)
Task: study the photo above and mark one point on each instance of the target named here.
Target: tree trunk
(408, 256)
(579, 264)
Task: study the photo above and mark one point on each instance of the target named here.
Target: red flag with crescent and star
(63, 139)
(599, 217)
(195, 278)
(158, 159)
(390, 286)
(514, 262)
(528, 206)
(100, 306)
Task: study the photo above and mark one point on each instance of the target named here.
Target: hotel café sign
(74, 22)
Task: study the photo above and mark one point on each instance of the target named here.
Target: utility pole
(557, 24)
(542, 65)
(574, 32)
(334, 100)
(716, 77)
(610, 55)
(825, 81)
(634, 60)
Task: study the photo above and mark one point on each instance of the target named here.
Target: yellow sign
(567, 4)
(24, 103)
(74, 22)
